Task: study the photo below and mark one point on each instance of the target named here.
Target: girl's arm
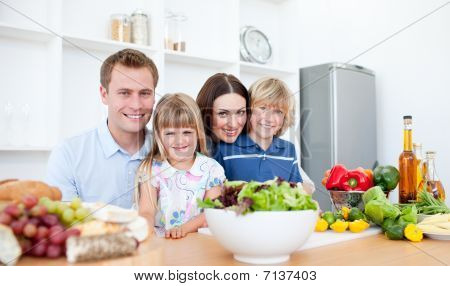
(147, 204)
(191, 226)
(214, 192)
(199, 221)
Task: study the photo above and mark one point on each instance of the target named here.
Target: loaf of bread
(14, 190)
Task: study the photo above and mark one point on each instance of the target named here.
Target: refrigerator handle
(375, 164)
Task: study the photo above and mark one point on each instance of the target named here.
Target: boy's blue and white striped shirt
(245, 160)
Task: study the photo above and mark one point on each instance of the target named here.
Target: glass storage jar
(174, 32)
(120, 28)
(139, 28)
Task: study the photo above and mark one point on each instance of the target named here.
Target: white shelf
(275, 1)
(262, 70)
(183, 58)
(26, 148)
(9, 31)
(61, 71)
(103, 45)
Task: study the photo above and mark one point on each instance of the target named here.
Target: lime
(355, 214)
(329, 217)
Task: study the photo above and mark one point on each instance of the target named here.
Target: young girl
(176, 173)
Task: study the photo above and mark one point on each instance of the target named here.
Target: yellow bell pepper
(413, 233)
(345, 211)
(339, 226)
(358, 225)
(321, 225)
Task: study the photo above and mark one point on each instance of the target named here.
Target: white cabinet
(51, 52)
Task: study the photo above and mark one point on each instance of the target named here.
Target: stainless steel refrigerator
(338, 121)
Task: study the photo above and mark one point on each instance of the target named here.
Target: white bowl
(264, 237)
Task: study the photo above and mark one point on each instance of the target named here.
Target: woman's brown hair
(215, 86)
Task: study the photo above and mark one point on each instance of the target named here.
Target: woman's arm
(147, 204)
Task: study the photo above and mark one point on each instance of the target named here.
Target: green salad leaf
(273, 195)
(208, 203)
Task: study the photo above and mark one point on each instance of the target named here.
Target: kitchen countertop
(200, 249)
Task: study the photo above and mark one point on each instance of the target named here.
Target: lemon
(321, 225)
(358, 225)
(339, 226)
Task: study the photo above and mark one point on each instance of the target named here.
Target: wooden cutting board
(318, 239)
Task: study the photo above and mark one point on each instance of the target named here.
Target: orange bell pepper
(325, 177)
(368, 172)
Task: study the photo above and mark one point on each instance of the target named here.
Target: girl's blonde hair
(274, 92)
(176, 110)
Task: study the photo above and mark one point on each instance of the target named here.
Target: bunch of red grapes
(39, 232)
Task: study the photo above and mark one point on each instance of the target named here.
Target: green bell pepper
(394, 232)
(386, 177)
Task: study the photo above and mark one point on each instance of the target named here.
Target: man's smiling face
(130, 98)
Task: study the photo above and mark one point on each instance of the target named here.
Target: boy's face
(266, 121)
(179, 143)
(130, 98)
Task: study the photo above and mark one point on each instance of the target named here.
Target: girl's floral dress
(178, 190)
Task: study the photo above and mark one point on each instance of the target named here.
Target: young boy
(260, 155)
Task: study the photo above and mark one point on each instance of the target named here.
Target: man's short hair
(129, 58)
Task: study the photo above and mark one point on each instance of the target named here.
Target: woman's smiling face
(229, 116)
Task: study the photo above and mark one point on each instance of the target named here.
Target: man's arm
(60, 173)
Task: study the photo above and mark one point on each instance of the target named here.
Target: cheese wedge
(98, 227)
(10, 250)
(111, 213)
(138, 228)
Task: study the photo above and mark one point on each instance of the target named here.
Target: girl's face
(266, 121)
(228, 116)
(179, 143)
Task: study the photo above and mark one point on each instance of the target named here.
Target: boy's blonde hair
(274, 92)
(176, 110)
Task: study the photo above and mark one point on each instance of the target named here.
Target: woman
(224, 103)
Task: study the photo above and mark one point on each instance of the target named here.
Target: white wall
(412, 75)
(411, 70)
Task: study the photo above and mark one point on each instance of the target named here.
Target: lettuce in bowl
(273, 195)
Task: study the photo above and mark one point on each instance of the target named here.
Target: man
(100, 165)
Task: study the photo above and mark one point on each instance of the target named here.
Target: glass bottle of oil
(421, 166)
(434, 184)
(407, 166)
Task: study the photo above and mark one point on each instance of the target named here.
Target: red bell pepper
(336, 174)
(356, 180)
